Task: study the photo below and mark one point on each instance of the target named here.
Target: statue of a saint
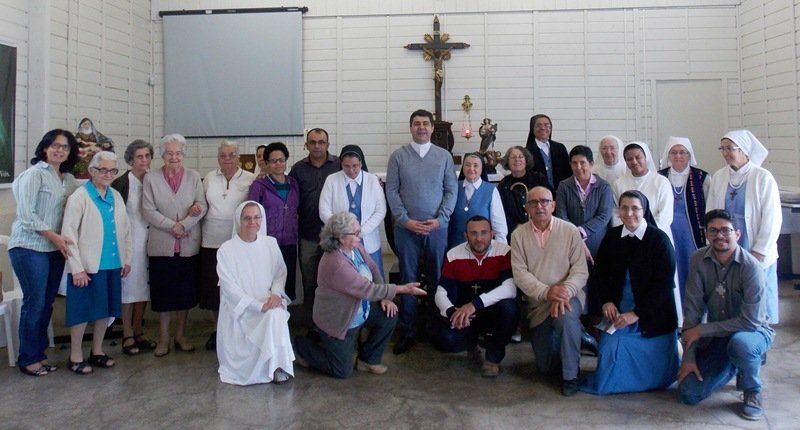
(90, 142)
(488, 133)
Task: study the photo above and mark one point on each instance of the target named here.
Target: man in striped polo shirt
(476, 296)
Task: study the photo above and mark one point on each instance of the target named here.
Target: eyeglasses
(542, 202)
(103, 171)
(725, 231)
(170, 154)
(355, 233)
(681, 153)
(630, 209)
(728, 149)
(227, 156)
(251, 218)
(517, 157)
(61, 146)
(548, 126)
(276, 160)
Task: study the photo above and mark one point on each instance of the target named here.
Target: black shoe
(571, 387)
(211, 343)
(403, 345)
(588, 343)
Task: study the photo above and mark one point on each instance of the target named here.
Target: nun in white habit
(613, 165)
(750, 193)
(641, 175)
(253, 344)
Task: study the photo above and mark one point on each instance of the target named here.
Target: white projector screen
(233, 74)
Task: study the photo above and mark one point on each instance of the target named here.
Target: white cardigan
(83, 225)
(762, 210)
(333, 199)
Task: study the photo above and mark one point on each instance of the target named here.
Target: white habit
(252, 344)
(135, 287)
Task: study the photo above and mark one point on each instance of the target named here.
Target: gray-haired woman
(349, 285)
(135, 288)
(173, 203)
(96, 223)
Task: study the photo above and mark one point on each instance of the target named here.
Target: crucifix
(437, 48)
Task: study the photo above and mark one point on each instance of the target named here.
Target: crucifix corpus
(437, 48)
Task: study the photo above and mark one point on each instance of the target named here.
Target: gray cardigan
(593, 216)
(162, 208)
(341, 289)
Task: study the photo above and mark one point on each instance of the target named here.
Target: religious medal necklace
(469, 199)
(274, 182)
(722, 281)
(737, 186)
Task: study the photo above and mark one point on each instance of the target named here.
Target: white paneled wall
(769, 66)
(100, 65)
(592, 65)
(590, 69)
(14, 32)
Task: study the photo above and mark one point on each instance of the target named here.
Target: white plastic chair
(8, 322)
(11, 307)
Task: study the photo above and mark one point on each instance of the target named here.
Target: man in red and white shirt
(476, 295)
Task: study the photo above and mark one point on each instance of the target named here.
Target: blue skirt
(102, 298)
(629, 363)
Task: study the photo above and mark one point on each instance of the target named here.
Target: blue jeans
(719, 361)
(335, 356)
(410, 247)
(377, 257)
(556, 343)
(500, 320)
(39, 275)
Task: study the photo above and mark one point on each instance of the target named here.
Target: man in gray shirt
(310, 174)
(728, 283)
(421, 189)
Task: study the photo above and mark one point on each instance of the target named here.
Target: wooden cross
(437, 48)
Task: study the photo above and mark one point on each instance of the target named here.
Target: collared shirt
(544, 146)
(421, 148)
(353, 184)
(470, 187)
(41, 196)
(109, 255)
(542, 235)
(733, 296)
(311, 179)
(678, 179)
(223, 197)
(174, 181)
(584, 193)
(638, 233)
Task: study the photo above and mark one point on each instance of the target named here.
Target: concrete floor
(422, 389)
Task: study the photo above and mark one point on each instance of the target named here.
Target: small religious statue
(488, 134)
(90, 142)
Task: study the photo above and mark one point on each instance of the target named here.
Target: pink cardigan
(341, 289)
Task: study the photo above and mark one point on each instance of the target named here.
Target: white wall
(591, 67)
(100, 64)
(768, 38)
(14, 31)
